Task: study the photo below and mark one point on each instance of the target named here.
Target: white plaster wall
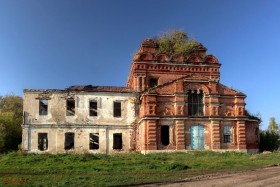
(57, 109)
(56, 139)
(56, 123)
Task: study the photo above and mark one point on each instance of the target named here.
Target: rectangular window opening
(70, 105)
(227, 134)
(92, 108)
(42, 141)
(117, 109)
(43, 107)
(93, 141)
(153, 82)
(165, 135)
(69, 140)
(117, 141)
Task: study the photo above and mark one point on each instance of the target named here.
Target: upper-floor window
(117, 109)
(70, 107)
(227, 134)
(195, 103)
(153, 82)
(92, 108)
(43, 107)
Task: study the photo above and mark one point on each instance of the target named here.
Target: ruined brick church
(169, 103)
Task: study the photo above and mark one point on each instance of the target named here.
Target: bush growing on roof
(175, 42)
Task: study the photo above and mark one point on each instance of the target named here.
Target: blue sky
(55, 44)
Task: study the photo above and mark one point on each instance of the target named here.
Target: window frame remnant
(165, 135)
(70, 107)
(117, 141)
(42, 141)
(93, 108)
(195, 103)
(153, 82)
(93, 141)
(117, 109)
(69, 142)
(227, 134)
(43, 107)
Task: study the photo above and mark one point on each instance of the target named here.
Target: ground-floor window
(117, 141)
(165, 135)
(69, 140)
(93, 141)
(42, 141)
(227, 134)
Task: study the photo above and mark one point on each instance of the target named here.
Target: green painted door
(197, 137)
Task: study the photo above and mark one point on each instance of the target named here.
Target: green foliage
(269, 141)
(10, 122)
(175, 42)
(122, 169)
(254, 116)
(272, 127)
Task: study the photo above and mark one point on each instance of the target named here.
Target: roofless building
(170, 102)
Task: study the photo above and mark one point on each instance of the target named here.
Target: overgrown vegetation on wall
(10, 122)
(175, 42)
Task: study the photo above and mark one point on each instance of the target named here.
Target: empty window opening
(43, 107)
(117, 109)
(93, 141)
(70, 104)
(153, 82)
(92, 108)
(165, 135)
(42, 141)
(69, 140)
(117, 139)
(140, 83)
(195, 103)
(227, 134)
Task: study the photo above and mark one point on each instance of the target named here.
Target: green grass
(122, 169)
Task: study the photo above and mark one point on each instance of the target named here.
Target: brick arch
(211, 59)
(194, 59)
(178, 58)
(162, 57)
(146, 57)
(196, 86)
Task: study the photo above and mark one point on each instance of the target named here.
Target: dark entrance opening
(117, 141)
(69, 141)
(165, 135)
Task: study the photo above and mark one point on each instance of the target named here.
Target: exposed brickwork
(167, 102)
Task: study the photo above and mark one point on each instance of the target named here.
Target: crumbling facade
(183, 105)
(79, 119)
(169, 103)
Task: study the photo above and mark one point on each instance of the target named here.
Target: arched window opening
(195, 103)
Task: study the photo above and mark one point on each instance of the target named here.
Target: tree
(273, 127)
(270, 139)
(10, 122)
(175, 42)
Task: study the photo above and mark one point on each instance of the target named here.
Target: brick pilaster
(241, 135)
(180, 134)
(216, 138)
